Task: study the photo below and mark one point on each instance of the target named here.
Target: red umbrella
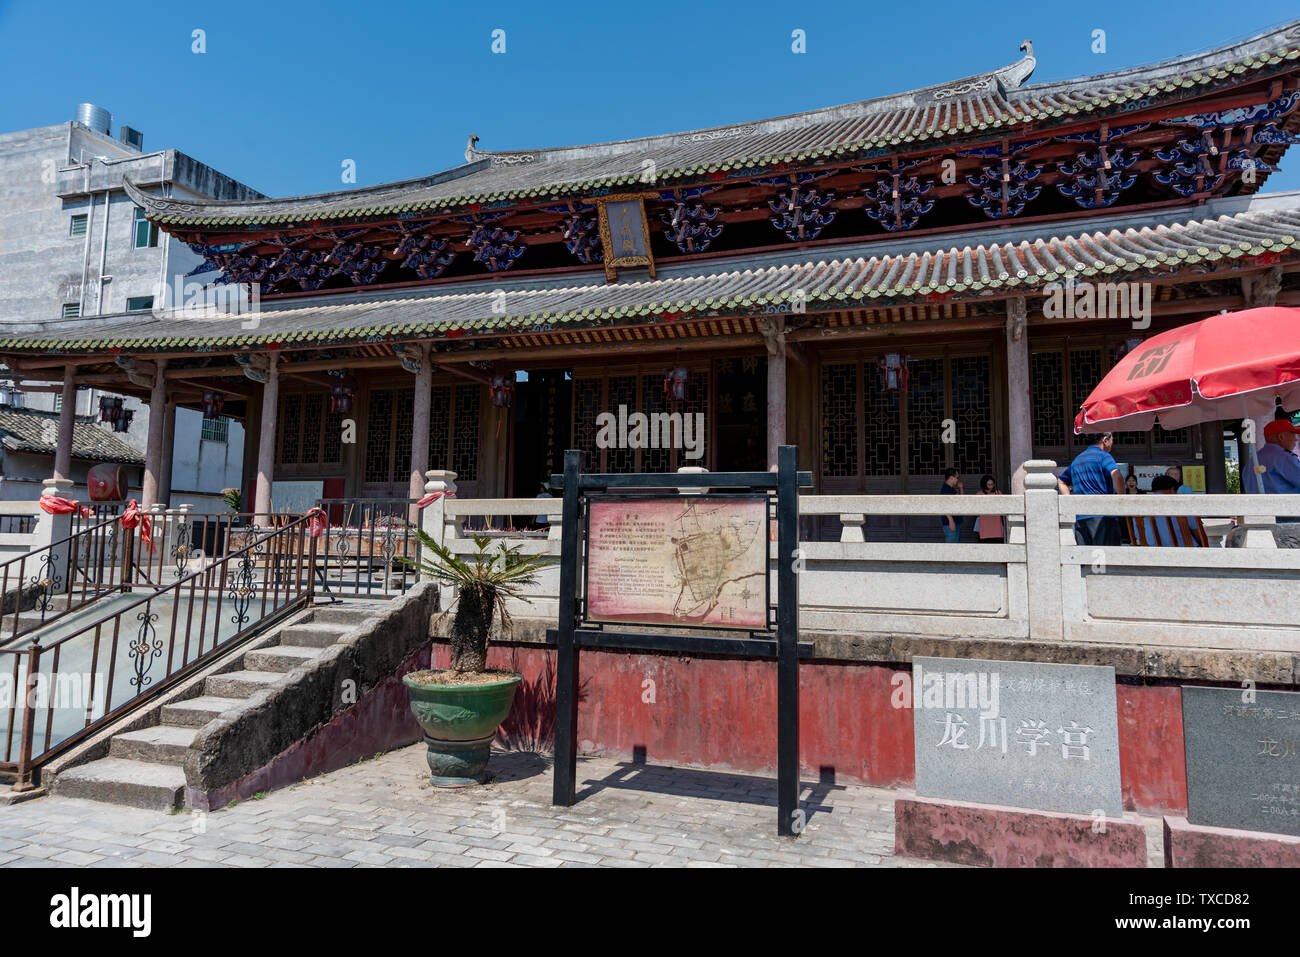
(1230, 366)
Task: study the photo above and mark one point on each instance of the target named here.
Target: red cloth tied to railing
(318, 522)
(132, 517)
(431, 498)
(63, 506)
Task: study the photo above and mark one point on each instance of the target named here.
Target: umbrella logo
(1152, 361)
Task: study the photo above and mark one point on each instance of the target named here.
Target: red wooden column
(67, 419)
(266, 442)
(153, 456)
(773, 330)
(420, 425)
(1020, 420)
(168, 446)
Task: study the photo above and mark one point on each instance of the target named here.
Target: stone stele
(1020, 734)
(1243, 758)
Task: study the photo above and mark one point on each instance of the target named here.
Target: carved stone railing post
(1043, 540)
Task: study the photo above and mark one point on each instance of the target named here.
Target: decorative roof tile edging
(931, 275)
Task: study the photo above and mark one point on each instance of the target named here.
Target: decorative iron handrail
(82, 567)
(365, 536)
(221, 598)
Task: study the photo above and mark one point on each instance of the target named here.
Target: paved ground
(382, 812)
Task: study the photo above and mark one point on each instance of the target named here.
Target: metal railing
(71, 681)
(359, 551)
(53, 580)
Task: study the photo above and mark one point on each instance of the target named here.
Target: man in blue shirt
(1281, 468)
(1094, 472)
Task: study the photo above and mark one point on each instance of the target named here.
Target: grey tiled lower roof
(30, 430)
(828, 284)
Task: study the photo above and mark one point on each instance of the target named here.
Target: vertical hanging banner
(624, 232)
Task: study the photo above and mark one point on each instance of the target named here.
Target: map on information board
(680, 560)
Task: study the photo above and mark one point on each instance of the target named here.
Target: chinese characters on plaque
(1020, 734)
(681, 560)
(1243, 758)
(624, 232)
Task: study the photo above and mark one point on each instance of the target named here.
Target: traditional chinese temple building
(877, 283)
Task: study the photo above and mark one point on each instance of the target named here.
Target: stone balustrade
(1038, 584)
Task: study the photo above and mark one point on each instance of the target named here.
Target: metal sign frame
(573, 633)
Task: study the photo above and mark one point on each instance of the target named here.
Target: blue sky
(285, 92)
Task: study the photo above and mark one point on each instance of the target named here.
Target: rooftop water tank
(95, 117)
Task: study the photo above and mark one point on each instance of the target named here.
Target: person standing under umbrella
(1094, 472)
(1281, 468)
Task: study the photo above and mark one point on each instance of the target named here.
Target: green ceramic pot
(459, 723)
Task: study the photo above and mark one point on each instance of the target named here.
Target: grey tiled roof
(849, 282)
(30, 430)
(996, 101)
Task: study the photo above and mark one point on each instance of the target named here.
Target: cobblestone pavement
(383, 812)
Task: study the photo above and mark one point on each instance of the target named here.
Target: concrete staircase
(144, 768)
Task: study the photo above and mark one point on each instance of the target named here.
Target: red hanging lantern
(110, 410)
(675, 383)
(503, 390)
(212, 404)
(894, 372)
(341, 397)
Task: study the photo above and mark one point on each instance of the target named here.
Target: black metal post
(789, 820)
(564, 789)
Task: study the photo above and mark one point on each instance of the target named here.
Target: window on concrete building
(139, 303)
(216, 430)
(144, 233)
(77, 225)
(71, 310)
(58, 402)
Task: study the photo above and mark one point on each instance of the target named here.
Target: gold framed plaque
(624, 232)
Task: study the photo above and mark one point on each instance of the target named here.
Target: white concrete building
(73, 245)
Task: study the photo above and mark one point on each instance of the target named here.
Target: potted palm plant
(461, 707)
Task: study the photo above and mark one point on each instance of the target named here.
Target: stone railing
(1039, 584)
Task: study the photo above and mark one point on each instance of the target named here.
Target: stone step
(343, 613)
(280, 658)
(312, 635)
(161, 744)
(197, 712)
(157, 787)
(239, 684)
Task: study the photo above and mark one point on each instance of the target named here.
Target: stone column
(52, 528)
(1043, 539)
(773, 331)
(67, 420)
(168, 446)
(266, 443)
(420, 424)
(157, 422)
(1020, 424)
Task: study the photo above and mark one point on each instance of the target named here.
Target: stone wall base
(1199, 845)
(380, 721)
(991, 835)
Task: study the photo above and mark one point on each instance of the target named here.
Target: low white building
(73, 245)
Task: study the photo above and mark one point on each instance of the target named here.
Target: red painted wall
(721, 713)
